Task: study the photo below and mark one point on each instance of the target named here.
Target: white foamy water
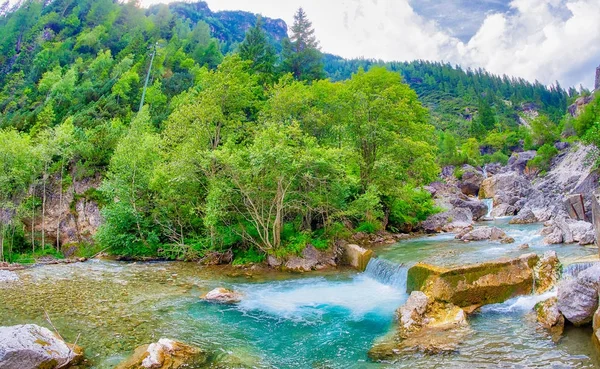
(308, 299)
(520, 304)
(490, 205)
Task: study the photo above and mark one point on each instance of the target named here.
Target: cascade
(387, 272)
(490, 205)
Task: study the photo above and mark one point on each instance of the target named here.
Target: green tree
(257, 49)
(301, 54)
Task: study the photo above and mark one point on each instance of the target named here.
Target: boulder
(8, 277)
(222, 295)
(424, 326)
(550, 317)
(555, 237)
(478, 208)
(511, 184)
(449, 221)
(518, 161)
(357, 256)
(503, 210)
(164, 354)
(473, 286)
(470, 181)
(310, 259)
(31, 347)
(525, 216)
(547, 272)
(484, 233)
(578, 297)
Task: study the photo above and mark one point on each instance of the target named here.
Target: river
(322, 320)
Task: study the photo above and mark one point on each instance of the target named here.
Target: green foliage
(544, 157)
(301, 55)
(368, 227)
(497, 157)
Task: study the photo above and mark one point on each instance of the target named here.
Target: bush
(543, 158)
(368, 227)
(497, 157)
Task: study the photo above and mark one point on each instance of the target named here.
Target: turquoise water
(326, 320)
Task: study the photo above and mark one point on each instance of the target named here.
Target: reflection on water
(326, 320)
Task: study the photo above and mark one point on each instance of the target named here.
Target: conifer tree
(301, 54)
(257, 49)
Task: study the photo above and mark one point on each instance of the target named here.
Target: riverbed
(318, 320)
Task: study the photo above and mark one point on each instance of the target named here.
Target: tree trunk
(44, 207)
(60, 194)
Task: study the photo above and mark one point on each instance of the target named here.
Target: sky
(545, 40)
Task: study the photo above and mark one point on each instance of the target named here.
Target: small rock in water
(223, 295)
(164, 354)
(550, 317)
(524, 246)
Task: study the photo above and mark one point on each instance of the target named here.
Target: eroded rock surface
(578, 297)
(222, 295)
(33, 347)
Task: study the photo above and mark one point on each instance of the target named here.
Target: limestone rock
(511, 184)
(547, 272)
(578, 297)
(357, 256)
(555, 237)
(411, 314)
(475, 285)
(525, 216)
(470, 182)
(484, 233)
(478, 208)
(518, 161)
(596, 327)
(310, 259)
(222, 295)
(31, 347)
(550, 317)
(164, 354)
(450, 221)
(503, 210)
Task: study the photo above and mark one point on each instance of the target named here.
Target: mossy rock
(475, 285)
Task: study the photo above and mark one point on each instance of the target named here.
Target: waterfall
(490, 205)
(573, 270)
(387, 272)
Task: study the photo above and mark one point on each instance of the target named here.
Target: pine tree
(257, 49)
(301, 54)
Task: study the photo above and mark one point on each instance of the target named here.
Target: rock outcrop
(503, 187)
(473, 286)
(578, 297)
(222, 295)
(503, 210)
(32, 347)
(165, 354)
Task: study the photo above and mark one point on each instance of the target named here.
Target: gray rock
(509, 185)
(503, 210)
(518, 161)
(553, 237)
(30, 347)
(578, 297)
(560, 146)
(471, 181)
(478, 208)
(525, 216)
(450, 221)
(484, 233)
(411, 314)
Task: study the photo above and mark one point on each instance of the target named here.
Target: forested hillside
(213, 131)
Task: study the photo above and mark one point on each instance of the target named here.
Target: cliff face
(228, 26)
(74, 215)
